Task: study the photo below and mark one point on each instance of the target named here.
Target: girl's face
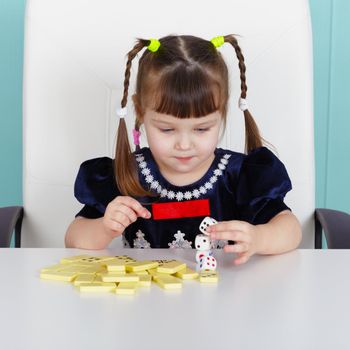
(182, 147)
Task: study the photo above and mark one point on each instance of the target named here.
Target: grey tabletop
(297, 300)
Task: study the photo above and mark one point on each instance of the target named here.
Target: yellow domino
(154, 272)
(67, 267)
(126, 288)
(119, 277)
(71, 259)
(56, 267)
(64, 276)
(106, 258)
(93, 269)
(171, 267)
(110, 273)
(164, 261)
(83, 279)
(145, 281)
(187, 274)
(141, 265)
(141, 273)
(168, 282)
(208, 277)
(97, 287)
(125, 258)
(72, 268)
(115, 265)
(92, 260)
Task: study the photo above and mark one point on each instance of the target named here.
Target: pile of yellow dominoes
(122, 274)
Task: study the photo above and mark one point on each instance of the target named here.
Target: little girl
(156, 197)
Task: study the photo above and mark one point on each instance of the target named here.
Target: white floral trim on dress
(179, 195)
(180, 242)
(140, 241)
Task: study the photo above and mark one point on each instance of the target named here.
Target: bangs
(186, 92)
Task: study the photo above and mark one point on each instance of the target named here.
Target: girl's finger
(234, 225)
(236, 248)
(135, 205)
(242, 259)
(237, 236)
(127, 211)
(121, 218)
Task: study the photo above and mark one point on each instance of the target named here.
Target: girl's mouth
(183, 159)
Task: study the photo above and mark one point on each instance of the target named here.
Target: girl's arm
(87, 234)
(98, 233)
(281, 234)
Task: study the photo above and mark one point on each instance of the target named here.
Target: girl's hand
(245, 235)
(120, 213)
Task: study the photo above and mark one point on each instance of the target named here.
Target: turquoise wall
(331, 31)
(11, 61)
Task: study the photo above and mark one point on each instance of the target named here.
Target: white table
(299, 300)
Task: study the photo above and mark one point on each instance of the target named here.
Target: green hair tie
(154, 45)
(218, 41)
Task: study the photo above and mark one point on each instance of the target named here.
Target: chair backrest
(75, 55)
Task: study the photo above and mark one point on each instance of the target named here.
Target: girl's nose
(183, 142)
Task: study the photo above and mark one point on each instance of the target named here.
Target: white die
(202, 242)
(202, 253)
(207, 221)
(207, 263)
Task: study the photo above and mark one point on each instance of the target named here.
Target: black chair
(10, 221)
(336, 228)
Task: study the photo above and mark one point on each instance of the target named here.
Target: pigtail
(252, 134)
(125, 166)
(137, 130)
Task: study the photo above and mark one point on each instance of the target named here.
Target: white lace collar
(180, 195)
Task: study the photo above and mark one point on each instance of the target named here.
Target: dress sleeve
(263, 182)
(95, 187)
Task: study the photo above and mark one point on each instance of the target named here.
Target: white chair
(74, 65)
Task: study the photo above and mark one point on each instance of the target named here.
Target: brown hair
(186, 77)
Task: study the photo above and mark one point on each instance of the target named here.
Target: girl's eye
(200, 130)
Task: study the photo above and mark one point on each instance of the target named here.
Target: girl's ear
(138, 109)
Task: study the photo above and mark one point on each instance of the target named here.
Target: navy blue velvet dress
(235, 187)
